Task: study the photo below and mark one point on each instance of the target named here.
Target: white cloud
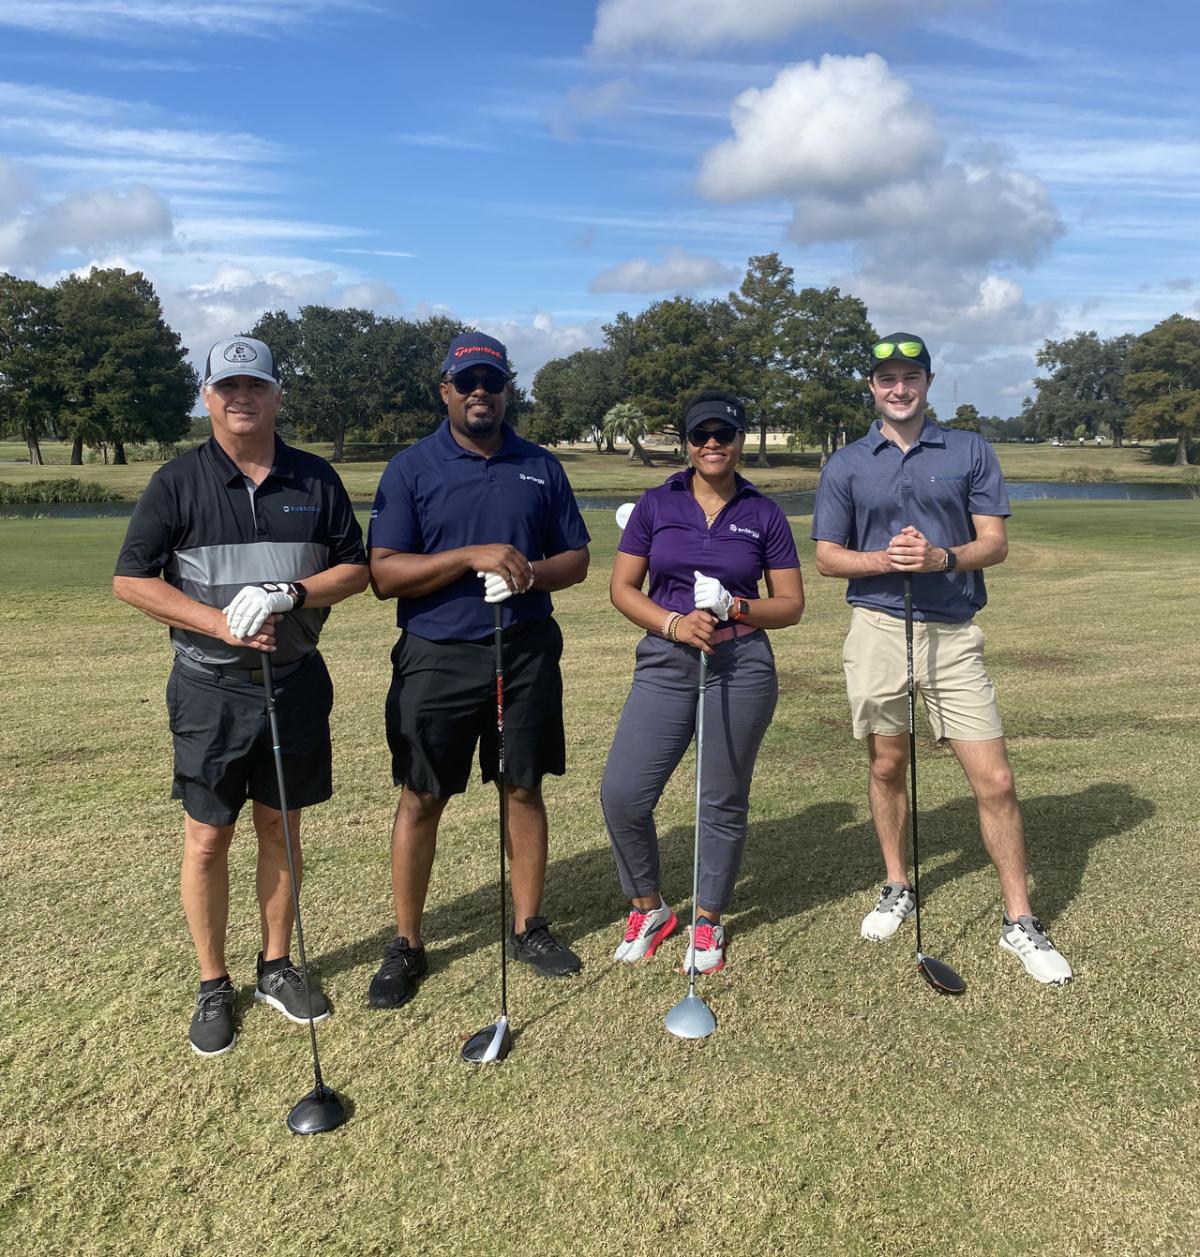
(532, 344)
(224, 230)
(679, 271)
(35, 230)
(371, 294)
(844, 126)
(691, 26)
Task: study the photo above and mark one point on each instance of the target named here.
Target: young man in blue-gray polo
(471, 517)
(913, 498)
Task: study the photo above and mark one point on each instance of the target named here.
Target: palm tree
(625, 422)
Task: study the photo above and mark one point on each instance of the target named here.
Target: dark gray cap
(240, 355)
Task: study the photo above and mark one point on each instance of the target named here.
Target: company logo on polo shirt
(748, 531)
(535, 479)
(293, 509)
(237, 352)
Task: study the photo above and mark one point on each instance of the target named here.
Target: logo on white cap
(239, 352)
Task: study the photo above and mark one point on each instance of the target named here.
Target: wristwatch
(739, 609)
(299, 593)
(950, 562)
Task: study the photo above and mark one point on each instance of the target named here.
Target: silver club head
(691, 1018)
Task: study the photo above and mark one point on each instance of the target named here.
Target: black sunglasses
(722, 435)
(468, 381)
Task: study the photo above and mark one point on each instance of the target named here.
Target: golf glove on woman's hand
(712, 596)
(251, 606)
(495, 587)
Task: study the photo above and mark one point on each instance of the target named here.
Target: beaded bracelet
(672, 631)
(668, 628)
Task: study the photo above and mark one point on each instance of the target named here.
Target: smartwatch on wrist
(739, 609)
(950, 562)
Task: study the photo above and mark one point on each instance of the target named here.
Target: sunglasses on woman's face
(722, 435)
(466, 382)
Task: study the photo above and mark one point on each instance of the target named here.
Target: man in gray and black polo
(241, 547)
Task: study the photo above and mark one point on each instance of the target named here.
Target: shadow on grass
(791, 866)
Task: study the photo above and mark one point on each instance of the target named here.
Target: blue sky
(988, 174)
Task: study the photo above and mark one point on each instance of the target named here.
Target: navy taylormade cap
(733, 413)
(240, 355)
(474, 349)
(900, 347)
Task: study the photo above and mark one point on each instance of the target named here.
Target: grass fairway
(841, 1106)
(592, 473)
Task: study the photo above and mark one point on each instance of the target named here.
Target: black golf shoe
(539, 949)
(399, 976)
(214, 1023)
(283, 988)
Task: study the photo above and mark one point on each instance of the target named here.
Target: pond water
(795, 502)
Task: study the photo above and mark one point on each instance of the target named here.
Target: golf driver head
(691, 1018)
(319, 1111)
(940, 976)
(492, 1043)
(623, 513)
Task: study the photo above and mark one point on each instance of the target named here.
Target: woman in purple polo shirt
(705, 537)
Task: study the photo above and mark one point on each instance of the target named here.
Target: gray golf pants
(656, 728)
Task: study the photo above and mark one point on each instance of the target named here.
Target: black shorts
(223, 751)
(442, 701)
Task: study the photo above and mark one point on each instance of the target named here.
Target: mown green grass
(840, 1106)
(592, 473)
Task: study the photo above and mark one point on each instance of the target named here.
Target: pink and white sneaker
(710, 948)
(643, 933)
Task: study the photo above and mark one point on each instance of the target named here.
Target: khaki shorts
(960, 698)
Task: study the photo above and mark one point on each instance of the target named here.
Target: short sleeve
(345, 532)
(833, 514)
(149, 539)
(639, 530)
(779, 548)
(988, 494)
(565, 529)
(394, 523)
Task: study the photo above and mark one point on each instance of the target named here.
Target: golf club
(494, 1042)
(939, 975)
(692, 1018)
(321, 1109)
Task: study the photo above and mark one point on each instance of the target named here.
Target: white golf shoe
(710, 948)
(1027, 939)
(644, 931)
(896, 901)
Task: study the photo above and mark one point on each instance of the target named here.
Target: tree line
(92, 360)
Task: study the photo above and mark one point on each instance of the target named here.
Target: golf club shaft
(269, 687)
(498, 639)
(696, 851)
(912, 752)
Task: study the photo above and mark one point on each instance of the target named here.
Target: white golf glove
(712, 596)
(495, 587)
(251, 606)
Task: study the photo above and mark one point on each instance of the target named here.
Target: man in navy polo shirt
(467, 518)
(914, 498)
(241, 546)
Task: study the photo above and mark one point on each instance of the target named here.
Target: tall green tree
(1085, 386)
(1163, 383)
(828, 343)
(334, 367)
(967, 418)
(573, 394)
(763, 307)
(30, 391)
(671, 350)
(124, 372)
